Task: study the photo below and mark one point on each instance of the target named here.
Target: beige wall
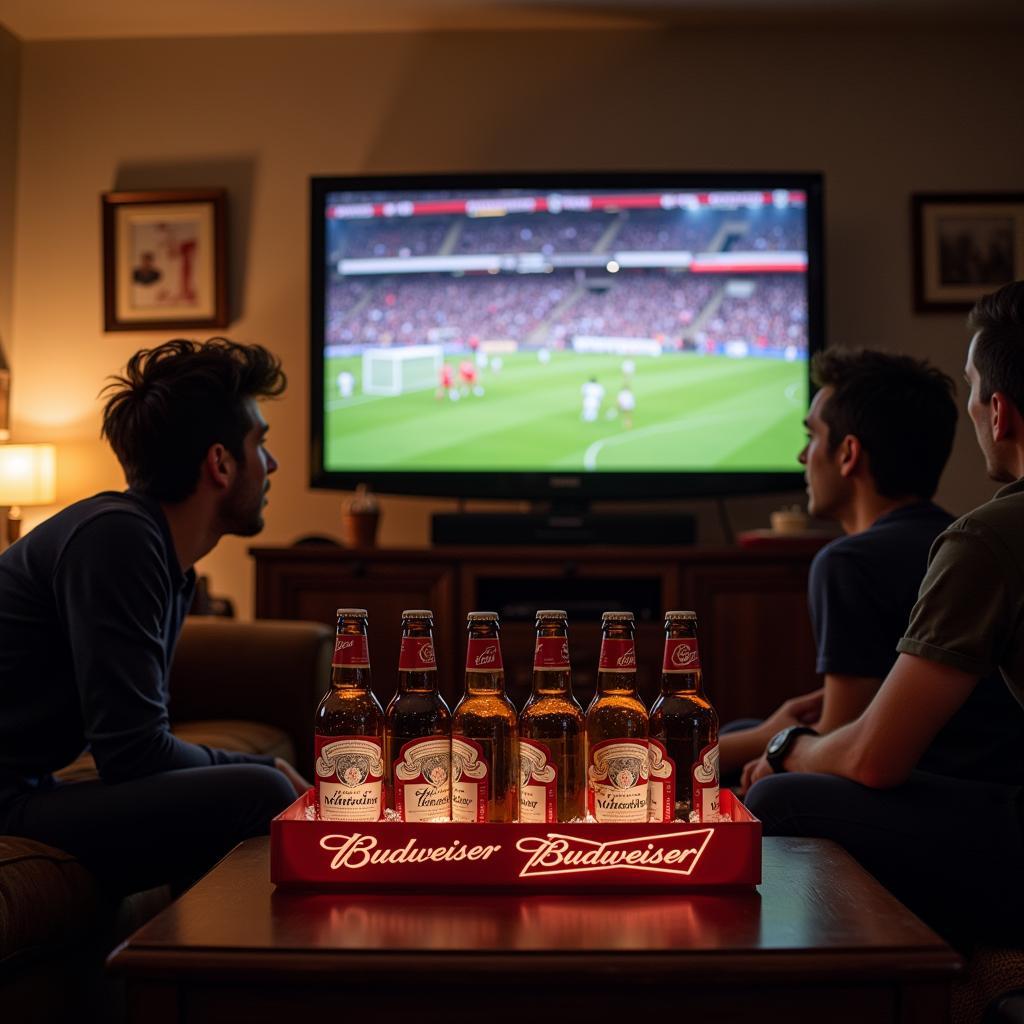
(882, 114)
(10, 69)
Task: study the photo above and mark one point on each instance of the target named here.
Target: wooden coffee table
(820, 940)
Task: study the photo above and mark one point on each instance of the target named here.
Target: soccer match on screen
(576, 331)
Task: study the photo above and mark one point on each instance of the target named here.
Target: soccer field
(693, 412)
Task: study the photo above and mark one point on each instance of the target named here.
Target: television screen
(603, 335)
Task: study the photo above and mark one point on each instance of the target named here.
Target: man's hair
(177, 400)
(901, 410)
(999, 350)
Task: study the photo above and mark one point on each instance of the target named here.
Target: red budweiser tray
(375, 855)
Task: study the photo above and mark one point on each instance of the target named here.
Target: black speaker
(532, 528)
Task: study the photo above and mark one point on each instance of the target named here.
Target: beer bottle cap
(417, 613)
(617, 617)
(676, 616)
(551, 613)
(482, 617)
(352, 613)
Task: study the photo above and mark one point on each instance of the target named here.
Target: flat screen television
(563, 336)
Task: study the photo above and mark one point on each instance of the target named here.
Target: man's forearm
(838, 753)
(882, 746)
(735, 749)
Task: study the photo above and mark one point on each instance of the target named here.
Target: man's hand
(300, 784)
(752, 771)
(802, 710)
(737, 747)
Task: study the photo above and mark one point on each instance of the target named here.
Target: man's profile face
(979, 413)
(242, 506)
(826, 490)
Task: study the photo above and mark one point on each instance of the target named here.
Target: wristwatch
(782, 742)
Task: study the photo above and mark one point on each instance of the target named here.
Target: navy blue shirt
(862, 589)
(92, 602)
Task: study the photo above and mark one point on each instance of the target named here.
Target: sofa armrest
(267, 671)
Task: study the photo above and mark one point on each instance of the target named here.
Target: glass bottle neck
(345, 678)
(552, 684)
(682, 683)
(485, 682)
(417, 682)
(616, 683)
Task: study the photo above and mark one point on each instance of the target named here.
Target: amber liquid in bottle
(552, 757)
(418, 729)
(485, 742)
(684, 731)
(349, 730)
(618, 755)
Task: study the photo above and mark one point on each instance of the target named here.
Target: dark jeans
(166, 828)
(952, 851)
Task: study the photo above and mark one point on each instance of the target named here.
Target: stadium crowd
(640, 304)
(638, 230)
(774, 316)
(525, 308)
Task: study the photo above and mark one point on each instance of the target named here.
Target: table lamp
(28, 476)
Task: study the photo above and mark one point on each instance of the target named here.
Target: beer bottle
(684, 731)
(418, 729)
(349, 730)
(552, 776)
(618, 756)
(485, 747)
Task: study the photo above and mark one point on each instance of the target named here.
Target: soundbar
(501, 528)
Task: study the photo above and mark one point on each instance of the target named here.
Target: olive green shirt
(970, 610)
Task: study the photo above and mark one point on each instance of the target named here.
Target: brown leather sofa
(241, 686)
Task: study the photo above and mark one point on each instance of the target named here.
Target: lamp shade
(28, 474)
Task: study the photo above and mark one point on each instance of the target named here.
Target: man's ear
(1004, 418)
(219, 466)
(850, 455)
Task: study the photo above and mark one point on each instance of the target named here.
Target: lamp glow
(28, 476)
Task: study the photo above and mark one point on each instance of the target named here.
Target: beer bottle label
(551, 654)
(471, 778)
(538, 782)
(705, 784)
(617, 656)
(662, 786)
(350, 652)
(349, 775)
(483, 654)
(422, 776)
(417, 654)
(617, 779)
(681, 655)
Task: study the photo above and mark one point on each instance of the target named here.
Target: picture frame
(965, 246)
(164, 259)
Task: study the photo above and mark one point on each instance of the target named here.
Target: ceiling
(33, 20)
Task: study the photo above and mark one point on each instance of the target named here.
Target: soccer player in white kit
(593, 395)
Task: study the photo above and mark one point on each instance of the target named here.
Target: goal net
(395, 371)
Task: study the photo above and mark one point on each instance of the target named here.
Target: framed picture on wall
(964, 246)
(164, 259)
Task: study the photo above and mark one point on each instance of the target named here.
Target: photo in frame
(965, 246)
(164, 259)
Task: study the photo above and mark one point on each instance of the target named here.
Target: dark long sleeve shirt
(91, 606)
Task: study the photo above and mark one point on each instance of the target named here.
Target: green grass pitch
(692, 412)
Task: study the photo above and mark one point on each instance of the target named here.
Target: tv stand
(755, 632)
(564, 524)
